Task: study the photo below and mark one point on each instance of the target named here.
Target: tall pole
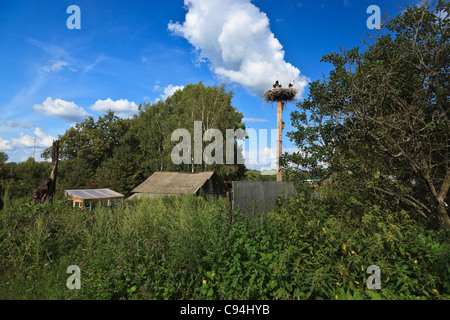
(34, 148)
(279, 131)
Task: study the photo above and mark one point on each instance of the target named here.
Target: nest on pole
(280, 94)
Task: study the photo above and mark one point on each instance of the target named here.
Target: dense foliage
(117, 153)
(382, 115)
(185, 248)
(378, 128)
(19, 179)
(212, 106)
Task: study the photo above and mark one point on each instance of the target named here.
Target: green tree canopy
(87, 146)
(26, 176)
(121, 153)
(3, 157)
(4, 168)
(382, 115)
(212, 105)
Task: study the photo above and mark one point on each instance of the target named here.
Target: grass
(184, 248)
(40, 242)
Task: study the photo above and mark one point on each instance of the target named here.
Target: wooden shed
(178, 183)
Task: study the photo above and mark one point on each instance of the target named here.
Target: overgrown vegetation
(378, 127)
(185, 248)
(382, 115)
(116, 153)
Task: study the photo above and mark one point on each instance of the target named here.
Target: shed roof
(94, 194)
(173, 183)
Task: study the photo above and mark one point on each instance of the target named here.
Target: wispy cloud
(56, 59)
(60, 58)
(26, 94)
(53, 51)
(15, 124)
(254, 120)
(90, 66)
(56, 66)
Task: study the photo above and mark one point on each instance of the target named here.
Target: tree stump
(46, 190)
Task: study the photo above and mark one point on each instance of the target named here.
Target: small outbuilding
(84, 198)
(179, 183)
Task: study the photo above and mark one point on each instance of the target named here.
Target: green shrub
(185, 248)
(334, 247)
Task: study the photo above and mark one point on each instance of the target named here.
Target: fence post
(229, 209)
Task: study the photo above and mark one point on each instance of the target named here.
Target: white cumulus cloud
(26, 141)
(44, 140)
(170, 90)
(234, 37)
(166, 91)
(122, 108)
(64, 110)
(5, 145)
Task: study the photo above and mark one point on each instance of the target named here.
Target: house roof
(173, 183)
(94, 194)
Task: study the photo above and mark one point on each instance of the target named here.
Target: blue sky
(129, 52)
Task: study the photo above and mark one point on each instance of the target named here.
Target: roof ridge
(193, 181)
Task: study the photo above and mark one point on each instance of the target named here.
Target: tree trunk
(46, 190)
(442, 211)
(442, 198)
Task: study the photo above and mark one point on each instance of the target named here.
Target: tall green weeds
(185, 248)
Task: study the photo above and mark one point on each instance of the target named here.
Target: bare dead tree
(46, 190)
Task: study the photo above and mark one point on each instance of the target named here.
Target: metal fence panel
(256, 198)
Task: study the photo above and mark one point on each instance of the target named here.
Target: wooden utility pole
(34, 149)
(281, 96)
(280, 108)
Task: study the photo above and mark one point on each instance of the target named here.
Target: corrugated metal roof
(166, 183)
(93, 194)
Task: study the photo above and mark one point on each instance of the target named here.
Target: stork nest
(280, 94)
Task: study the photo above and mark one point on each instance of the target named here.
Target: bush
(336, 241)
(185, 248)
